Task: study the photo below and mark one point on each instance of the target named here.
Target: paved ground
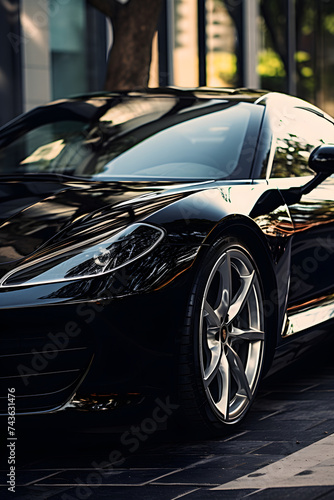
(285, 449)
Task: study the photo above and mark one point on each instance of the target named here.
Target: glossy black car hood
(34, 212)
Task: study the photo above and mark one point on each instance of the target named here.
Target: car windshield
(189, 144)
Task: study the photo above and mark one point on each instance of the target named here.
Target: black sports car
(168, 242)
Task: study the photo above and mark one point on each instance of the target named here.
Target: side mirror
(321, 160)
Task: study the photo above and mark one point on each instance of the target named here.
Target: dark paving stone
(78, 452)
(292, 387)
(327, 496)
(162, 460)
(307, 410)
(270, 405)
(111, 477)
(283, 397)
(311, 434)
(243, 446)
(194, 450)
(248, 463)
(277, 423)
(204, 475)
(272, 435)
(209, 478)
(282, 448)
(304, 493)
(326, 386)
(256, 415)
(309, 493)
(316, 433)
(303, 388)
(115, 493)
(27, 476)
(28, 493)
(317, 414)
(234, 447)
(327, 427)
(207, 494)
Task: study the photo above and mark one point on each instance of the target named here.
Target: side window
(297, 134)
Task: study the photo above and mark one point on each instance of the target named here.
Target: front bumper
(58, 354)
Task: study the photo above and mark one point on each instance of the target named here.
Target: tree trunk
(134, 24)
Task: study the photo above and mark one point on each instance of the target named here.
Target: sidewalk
(284, 450)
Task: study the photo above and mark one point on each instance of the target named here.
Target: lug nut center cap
(223, 333)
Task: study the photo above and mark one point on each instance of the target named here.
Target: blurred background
(56, 48)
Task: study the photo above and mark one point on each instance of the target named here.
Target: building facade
(49, 49)
(55, 48)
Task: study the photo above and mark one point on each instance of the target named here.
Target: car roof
(265, 98)
(240, 94)
(91, 105)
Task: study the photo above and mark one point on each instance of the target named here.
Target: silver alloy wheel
(231, 334)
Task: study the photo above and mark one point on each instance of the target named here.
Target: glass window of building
(64, 49)
(185, 50)
(67, 47)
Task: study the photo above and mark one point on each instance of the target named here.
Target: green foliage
(271, 70)
(226, 67)
(270, 65)
(329, 23)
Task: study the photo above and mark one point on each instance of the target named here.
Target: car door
(298, 132)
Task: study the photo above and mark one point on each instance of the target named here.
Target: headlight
(94, 259)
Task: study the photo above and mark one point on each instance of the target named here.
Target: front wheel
(223, 344)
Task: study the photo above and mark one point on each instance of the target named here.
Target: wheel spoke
(210, 315)
(208, 344)
(225, 287)
(212, 344)
(238, 373)
(224, 384)
(214, 364)
(241, 298)
(246, 334)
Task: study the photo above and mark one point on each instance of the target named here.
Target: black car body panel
(115, 333)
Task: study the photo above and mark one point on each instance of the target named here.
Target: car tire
(222, 347)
